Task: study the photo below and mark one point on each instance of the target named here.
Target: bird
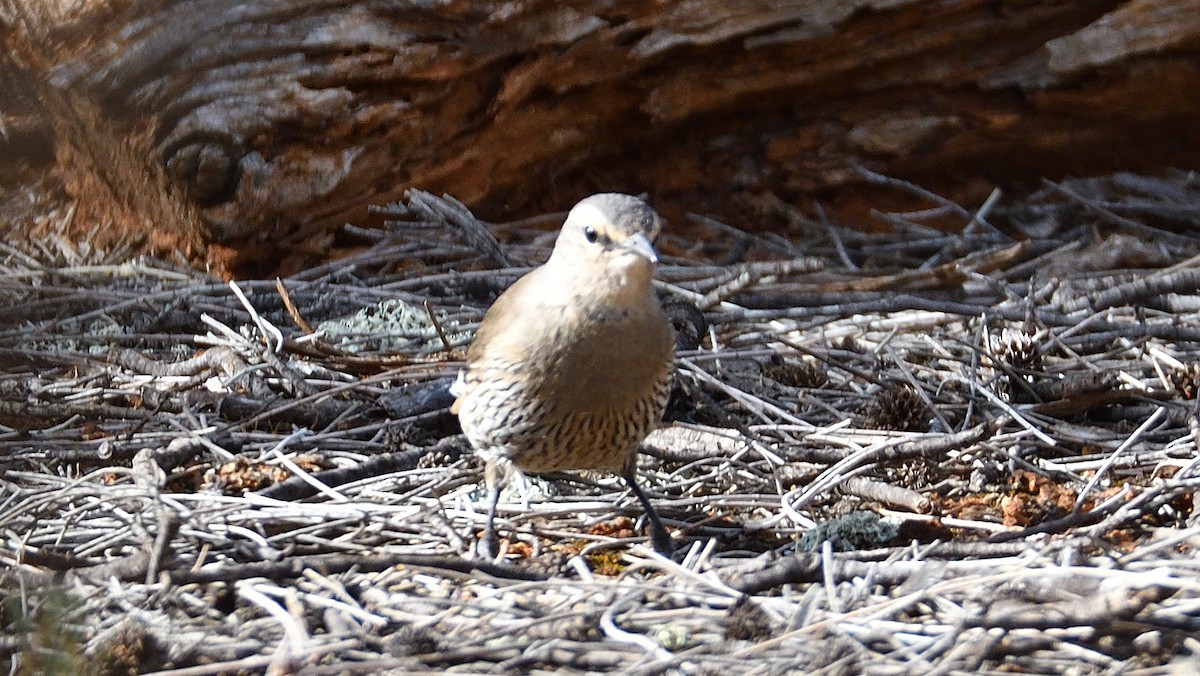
(571, 367)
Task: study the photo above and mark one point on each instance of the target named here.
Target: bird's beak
(640, 245)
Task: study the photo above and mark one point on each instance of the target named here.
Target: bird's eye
(590, 233)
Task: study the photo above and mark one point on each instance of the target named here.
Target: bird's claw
(661, 541)
(488, 546)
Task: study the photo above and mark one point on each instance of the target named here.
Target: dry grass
(220, 478)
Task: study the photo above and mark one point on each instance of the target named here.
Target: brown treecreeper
(572, 365)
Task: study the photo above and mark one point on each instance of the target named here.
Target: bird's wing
(506, 332)
(507, 321)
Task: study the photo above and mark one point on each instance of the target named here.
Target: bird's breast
(579, 388)
(607, 356)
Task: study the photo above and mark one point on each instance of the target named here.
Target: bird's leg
(489, 544)
(660, 539)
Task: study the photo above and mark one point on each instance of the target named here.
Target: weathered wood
(283, 119)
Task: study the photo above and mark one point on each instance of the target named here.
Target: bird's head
(610, 235)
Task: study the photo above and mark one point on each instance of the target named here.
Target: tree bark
(283, 119)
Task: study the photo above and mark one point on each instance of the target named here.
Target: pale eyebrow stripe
(587, 214)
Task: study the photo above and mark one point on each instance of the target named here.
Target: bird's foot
(488, 546)
(660, 539)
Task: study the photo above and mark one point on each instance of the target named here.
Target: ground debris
(194, 477)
